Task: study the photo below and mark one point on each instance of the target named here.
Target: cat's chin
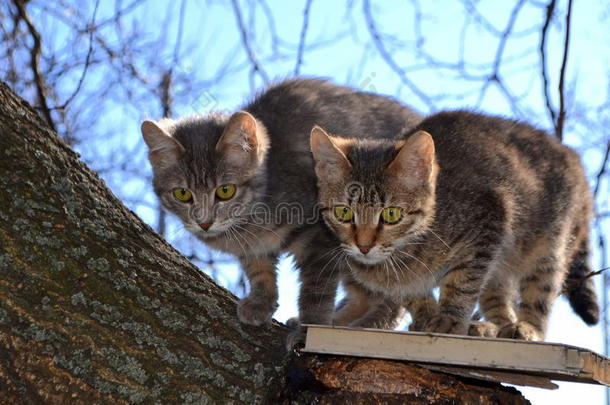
(368, 260)
(209, 234)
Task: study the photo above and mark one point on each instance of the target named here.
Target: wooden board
(502, 360)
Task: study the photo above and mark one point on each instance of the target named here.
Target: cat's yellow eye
(183, 194)
(391, 215)
(344, 213)
(225, 192)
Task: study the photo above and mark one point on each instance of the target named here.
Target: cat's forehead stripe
(368, 195)
(199, 136)
(368, 163)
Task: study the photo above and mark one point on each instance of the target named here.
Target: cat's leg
(538, 289)
(260, 304)
(383, 313)
(362, 308)
(496, 304)
(480, 244)
(317, 295)
(354, 305)
(483, 329)
(319, 277)
(460, 289)
(421, 309)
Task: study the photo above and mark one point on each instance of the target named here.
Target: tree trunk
(96, 308)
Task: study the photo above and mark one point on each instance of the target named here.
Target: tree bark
(96, 308)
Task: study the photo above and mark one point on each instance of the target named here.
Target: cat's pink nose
(364, 248)
(205, 227)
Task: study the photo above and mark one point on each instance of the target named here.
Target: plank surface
(506, 360)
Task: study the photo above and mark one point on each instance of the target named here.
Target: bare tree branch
(550, 8)
(35, 52)
(297, 68)
(602, 170)
(271, 24)
(180, 31)
(571, 284)
(256, 66)
(495, 76)
(566, 45)
(387, 57)
(91, 30)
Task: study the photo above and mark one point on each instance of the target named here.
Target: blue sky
(339, 47)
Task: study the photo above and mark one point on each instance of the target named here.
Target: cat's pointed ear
(243, 141)
(163, 150)
(330, 158)
(414, 163)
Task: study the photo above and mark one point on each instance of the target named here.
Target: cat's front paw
(296, 338)
(418, 324)
(373, 323)
(483, 329)
(521, 330)
(255, 310)
(445, 324)
(293, 322)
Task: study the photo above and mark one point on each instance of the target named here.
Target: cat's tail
(579, 286)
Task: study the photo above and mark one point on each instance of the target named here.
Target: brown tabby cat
(245, 185)
(488, 209)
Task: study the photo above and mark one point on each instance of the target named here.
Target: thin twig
(91, 29)
(166, 106)
(297, 68)
(180, 31)
(376, 36)
(550, 8)
(571, 284)
(495, 77)
(505, 36)
(35, 53)
(270, 25)
(602, 170)
(566, 45)
(246, 42)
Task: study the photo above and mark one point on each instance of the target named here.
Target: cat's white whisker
(416, 259)
(236, 238)
(418, 277)
(332, 272)
(266, 229)
(332, 258)
(439, 238)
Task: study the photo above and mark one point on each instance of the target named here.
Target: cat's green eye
(183, 194)
(391, 215)
(344, 213)
(225, 191)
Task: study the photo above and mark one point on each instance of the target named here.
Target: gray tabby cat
(245, 185)
(490, 210)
